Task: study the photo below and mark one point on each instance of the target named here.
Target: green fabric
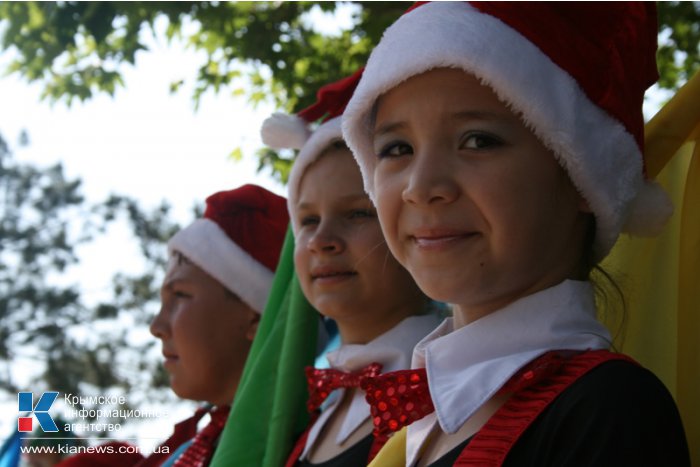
(269, 411)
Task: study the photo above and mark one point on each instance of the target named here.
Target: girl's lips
(331, 275)
(170, 361)
(333, 278)
(433, 241)
(170, 357)
(321, 273)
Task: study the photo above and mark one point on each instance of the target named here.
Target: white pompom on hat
(311, 131)
(282, 131)
(576, 74)
(238, 241)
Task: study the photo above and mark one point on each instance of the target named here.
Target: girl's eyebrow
(462, 115)
(388, 128)
(170, 284)
(359, 196)
(477, 115)
(354, 197)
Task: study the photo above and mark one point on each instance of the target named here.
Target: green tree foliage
(36, 207)
(77, 49)
(679, 45)
(44, 220)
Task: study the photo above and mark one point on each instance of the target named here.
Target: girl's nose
(430, 180)
(159, 326)
(326, 240)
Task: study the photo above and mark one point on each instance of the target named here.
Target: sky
(144, 141)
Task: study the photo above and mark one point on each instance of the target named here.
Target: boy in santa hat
(219, 275)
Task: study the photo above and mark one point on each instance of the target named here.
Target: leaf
(236, 155)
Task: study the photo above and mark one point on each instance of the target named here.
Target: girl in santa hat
(347, 273)
(502, 146)
(220, 272)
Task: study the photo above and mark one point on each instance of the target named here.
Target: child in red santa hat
(502, 145)
(219, 275)
(347, 273)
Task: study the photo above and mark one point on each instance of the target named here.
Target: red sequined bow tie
(397, 399)
(324, 381)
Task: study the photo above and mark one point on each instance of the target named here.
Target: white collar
(467, 366)
(392, 349)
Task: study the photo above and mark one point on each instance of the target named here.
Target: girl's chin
(440, 293)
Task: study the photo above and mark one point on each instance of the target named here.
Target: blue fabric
(10, 450)
(333, 344)
(175, 455)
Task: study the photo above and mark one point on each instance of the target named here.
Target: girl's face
(206, 334)
(344, 266)
(470, 201)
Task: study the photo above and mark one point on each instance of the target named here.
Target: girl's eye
(361, 213)
(309, 220)
(395, 149)
(180, 294)
(480, 141)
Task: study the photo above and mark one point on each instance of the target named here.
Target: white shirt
(467, 366)
(393, 350)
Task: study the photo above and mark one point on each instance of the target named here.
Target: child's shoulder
(618, 383)
(621, 394)
(618, 413)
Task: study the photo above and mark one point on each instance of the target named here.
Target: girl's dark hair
(180, 258)
(334, 145)
(610, 300)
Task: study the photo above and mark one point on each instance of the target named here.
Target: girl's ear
(253, 322)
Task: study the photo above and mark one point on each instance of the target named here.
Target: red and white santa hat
(238, 241)
(312, 130)
(575, 73)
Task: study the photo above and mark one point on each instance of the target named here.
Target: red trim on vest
(183, 432)
(301, 442)
(493, 442)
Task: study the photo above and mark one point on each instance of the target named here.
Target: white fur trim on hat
(599, 154)
(282, 131)
(649, 211)
(319, 140)
(205, 244)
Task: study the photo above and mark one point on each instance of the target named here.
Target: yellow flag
(393, 453)
(660, 277)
